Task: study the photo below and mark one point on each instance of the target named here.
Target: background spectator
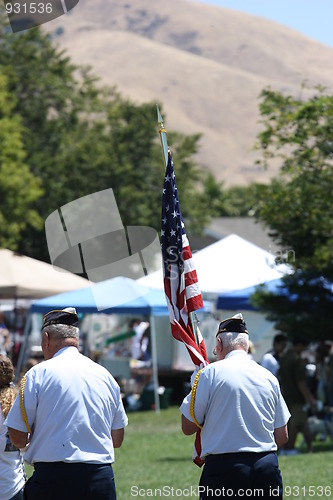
(292, 374)
(5, 342)
(271, 360)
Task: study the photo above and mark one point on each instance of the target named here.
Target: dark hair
(6, 372)
(7, 393)
(133, 322)
(279, 338)
(298, 340)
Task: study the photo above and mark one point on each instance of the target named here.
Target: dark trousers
(241, 475)
(71, 481)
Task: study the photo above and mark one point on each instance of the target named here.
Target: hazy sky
(311, 17)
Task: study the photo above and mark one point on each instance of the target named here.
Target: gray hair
(232, 340)
(60, 332)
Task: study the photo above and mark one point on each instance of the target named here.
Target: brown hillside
(205, 64)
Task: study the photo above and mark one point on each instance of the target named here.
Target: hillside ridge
(206, 64)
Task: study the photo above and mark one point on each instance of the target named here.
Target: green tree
(297, 207)
(234, 201)
(19, 188)
(80, 138)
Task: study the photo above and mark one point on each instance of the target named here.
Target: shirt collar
(69, 348)
(236, 352)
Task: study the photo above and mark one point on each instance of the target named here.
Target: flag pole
(165, 150)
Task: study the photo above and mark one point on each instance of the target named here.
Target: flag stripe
(189, 265)
(191, 280)
(187, 252)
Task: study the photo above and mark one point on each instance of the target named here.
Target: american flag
(180, 278)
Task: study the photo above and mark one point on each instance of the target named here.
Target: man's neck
(69, 342)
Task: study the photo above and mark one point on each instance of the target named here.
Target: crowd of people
(12, 324)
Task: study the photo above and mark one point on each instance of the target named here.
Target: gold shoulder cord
(23, 412)
(194, 389)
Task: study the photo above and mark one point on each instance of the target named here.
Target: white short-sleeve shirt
(72, 404)
(239, 404)
(269, 362)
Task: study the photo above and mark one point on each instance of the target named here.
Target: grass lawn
(156, 455)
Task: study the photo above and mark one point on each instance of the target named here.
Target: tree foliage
(19, 188)
(77, 138)
(297, 207)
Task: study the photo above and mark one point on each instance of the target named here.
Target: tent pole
(154, 363)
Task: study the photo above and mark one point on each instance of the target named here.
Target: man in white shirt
(271, 360)
(243, 419)
(72, 419)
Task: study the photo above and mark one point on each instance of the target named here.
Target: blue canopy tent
(115, 296)
(241, 299)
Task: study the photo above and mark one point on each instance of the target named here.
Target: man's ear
(219, 344)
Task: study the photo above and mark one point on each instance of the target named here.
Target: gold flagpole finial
(162, 133)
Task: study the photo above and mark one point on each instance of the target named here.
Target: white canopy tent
(229, 264)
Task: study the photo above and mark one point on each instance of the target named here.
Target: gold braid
(194, 389)
(23, 412)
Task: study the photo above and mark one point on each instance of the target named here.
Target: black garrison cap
(66, 316)
(237, 325)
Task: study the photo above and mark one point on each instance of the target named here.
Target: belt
(55, 465)
(237, 454)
